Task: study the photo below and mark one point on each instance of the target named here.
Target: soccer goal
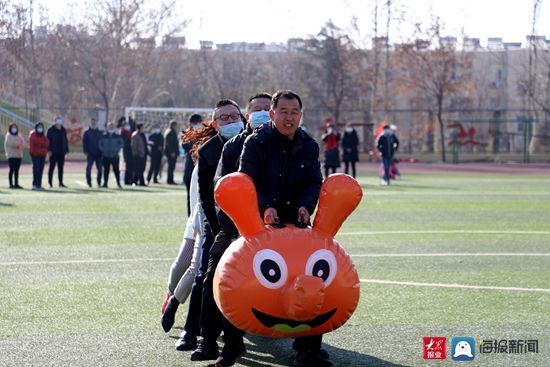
(151, 117)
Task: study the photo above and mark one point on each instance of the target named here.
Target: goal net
(152, 117)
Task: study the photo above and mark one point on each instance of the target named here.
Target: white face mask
(349, 129)
(59, 122)
(196, 126)
(13, 130)
(127, 127)
(156, 131)
(39, 130)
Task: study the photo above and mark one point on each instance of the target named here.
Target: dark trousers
(308, 343)
(37, 170)
(154, 167)
(212, 320)
(171, 168)
(129, 173)
(348, 163)
(188, 187)
(387, 163)
(111, 162)
(14, 164)
(90, 160)
(60, 161)
(327, 169)
(139, 169)
(192, 323)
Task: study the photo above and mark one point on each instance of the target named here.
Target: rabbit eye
(322, 264)
(270, 269)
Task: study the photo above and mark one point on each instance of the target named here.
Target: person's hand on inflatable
(270, 216)
(303, 216)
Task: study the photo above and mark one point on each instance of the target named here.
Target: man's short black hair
(260, 95)
(286, 94)
(195, 118)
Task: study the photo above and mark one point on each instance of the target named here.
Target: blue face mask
(230, 130)
(259, 118)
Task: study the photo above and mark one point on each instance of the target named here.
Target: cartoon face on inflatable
(287, 282)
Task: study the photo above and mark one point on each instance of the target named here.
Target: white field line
(455, 254)
(81, 183)
(463, 286)
(86, 261)
(452, 231)
(372, 281)
(160, 259)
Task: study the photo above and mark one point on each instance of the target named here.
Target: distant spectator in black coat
(171, 150)
(90, 147)
(57, 150)
(350, 151)
(156, 147)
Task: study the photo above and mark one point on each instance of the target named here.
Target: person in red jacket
(38, 149)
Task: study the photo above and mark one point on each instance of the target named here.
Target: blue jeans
(387, 163)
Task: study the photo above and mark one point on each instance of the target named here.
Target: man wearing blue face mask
(227, 120)
(212, 320)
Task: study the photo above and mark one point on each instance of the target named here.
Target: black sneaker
(311, 359)
(186, 342)
(229, 355)
(323, 354)
(205, 352)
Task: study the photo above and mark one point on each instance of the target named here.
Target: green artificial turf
(83, 273)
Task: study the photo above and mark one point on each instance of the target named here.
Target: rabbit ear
(236, 195)
(340, 195)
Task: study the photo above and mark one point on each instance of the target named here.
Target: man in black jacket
(57, 150)
(213, 318)
(283, 161)
(387, 143)
(90, 147)
(171, 150)
(156, 146)
(228, 121)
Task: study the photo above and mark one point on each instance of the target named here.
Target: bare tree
(433, 69)
(31, 60)
(115, 46)
(326, 64)
(536, 87)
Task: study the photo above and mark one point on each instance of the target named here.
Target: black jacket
(171, 144)
(90, 142)
(350, 143)
(209, 155)
(286, 172)
(189, 164)
(387, 143)
(229, 163)
(156, 144)
(59, 145)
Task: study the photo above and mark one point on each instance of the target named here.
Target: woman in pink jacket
(13, 145)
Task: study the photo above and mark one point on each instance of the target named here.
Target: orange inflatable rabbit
(287, 282)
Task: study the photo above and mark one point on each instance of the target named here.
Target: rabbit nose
(304, 298)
